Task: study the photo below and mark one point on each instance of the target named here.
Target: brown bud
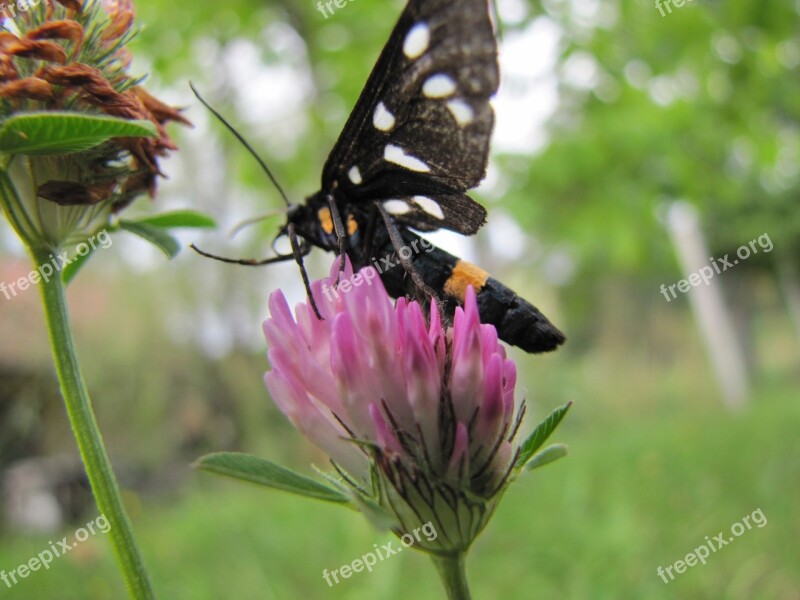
(59, 30)
(143, 181)
(30, 88)
(49, 51)
(7, 69)
(7, 38)
(102, 91)
(73, 5)
(121, 14)
(161, 112)
(72, 193)
(104, 96)
(143, 150)
(75, 74)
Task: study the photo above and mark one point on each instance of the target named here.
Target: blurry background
(612, 119)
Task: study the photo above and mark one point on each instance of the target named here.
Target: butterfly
(416, 141)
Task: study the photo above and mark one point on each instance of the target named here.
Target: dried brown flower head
(71, 55)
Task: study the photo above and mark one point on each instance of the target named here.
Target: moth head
(294, 212)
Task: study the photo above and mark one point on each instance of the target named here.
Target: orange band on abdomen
(465, 274)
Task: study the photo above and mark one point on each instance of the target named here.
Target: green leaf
(263, 472)
(155, 235)
(541, 433)
(69, 272)
(546, 456)
(179, 218)
(65, 132)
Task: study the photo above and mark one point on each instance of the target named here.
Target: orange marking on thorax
(352, 225)
(325, 220)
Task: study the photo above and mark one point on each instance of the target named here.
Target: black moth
(416, 141)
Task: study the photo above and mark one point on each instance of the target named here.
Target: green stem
(87, 434)
(453, 574)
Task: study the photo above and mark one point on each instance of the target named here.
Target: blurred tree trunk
(712, 314)
(789, 281)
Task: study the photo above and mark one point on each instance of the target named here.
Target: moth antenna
(244, 142)
(247, 262)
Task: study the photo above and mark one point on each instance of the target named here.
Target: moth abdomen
(518, 322)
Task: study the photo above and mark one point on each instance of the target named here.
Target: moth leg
(338, 227)
(299, 250)
(397, 242)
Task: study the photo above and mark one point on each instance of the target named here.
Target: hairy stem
(87, 434)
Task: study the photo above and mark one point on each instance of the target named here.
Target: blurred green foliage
(702, 103)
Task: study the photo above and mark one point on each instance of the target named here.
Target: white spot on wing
(429, 206)
(417, 41)
(439, 86)
(461, 111)
(396, 207)
(395, 154)
(355, 175)
(382, 118)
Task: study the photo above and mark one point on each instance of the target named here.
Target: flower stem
(453, 574)
(87, 434)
